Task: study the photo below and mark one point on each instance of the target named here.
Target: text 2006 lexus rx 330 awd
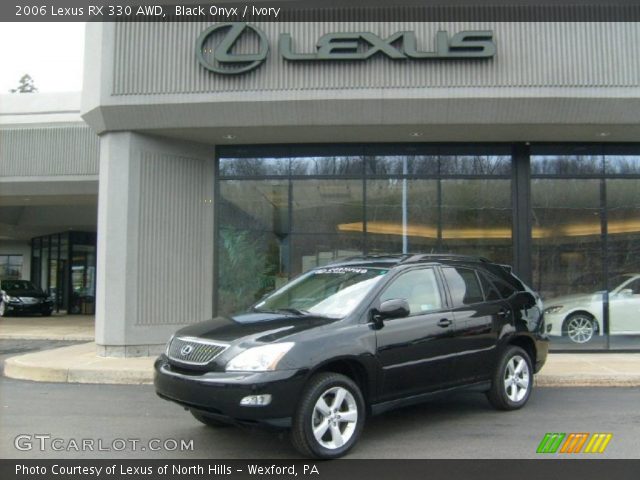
(357, 338)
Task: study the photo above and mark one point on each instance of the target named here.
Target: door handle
(504, 313)
(444, 323)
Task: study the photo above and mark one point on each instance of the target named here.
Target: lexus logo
(220, 58)
(186, 350)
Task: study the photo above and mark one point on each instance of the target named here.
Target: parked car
(579, 317)
(357, 338)
(22, 296)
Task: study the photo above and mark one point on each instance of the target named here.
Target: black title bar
(319, 10)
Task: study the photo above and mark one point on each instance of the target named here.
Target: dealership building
(205, 164)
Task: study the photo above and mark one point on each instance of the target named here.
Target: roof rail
(421, 257)
(390, 256)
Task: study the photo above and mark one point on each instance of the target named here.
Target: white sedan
(580, 316)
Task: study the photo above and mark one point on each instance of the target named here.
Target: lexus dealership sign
(215, 47)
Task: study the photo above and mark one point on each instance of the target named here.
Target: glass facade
(64, 265)
(295, 208)
(10, 267)
(282, 210)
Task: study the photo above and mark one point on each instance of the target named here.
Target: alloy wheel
(517, 378)
(580, 329)
(335, 417)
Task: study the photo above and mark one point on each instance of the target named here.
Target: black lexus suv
(357, 338)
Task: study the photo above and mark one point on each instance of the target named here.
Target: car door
(624, 308)
(414, 351)
(477, 320)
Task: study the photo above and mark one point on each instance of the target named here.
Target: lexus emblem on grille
(186, 350)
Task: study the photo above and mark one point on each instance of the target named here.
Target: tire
(207, 420)
(338, 427)
(47, 313)
(512, 380)
(580, 328)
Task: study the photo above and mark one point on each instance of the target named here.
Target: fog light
(256, 400)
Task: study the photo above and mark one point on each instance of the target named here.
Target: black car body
(23, 297)
(460, 331)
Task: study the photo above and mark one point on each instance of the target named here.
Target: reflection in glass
(310, 251)
(477, 218)
(335, 165)
(253, 241)
(623, 258)
(475, 165)
(567, 164)
(402, 215)
(622, 164)
(253, 167)
(403, 165)
(567, 259)
(326, 206)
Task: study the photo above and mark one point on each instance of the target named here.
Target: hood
(580, 298)
(26, 293)
(254, 327)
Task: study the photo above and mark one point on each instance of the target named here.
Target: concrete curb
(80, 364)
(47, 336)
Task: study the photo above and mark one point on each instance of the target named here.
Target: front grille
(194, 351)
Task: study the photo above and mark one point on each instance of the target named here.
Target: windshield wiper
(295, 311)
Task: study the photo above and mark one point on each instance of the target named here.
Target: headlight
(552, 310)
(259, 359)
(13, 299)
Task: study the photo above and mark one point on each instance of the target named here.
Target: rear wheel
(512, 380)
(329, 418)
(207, 420)
(580, 327)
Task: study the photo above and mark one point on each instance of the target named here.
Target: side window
(419, 288)
(634, 286)
(504, 288)
(490, 291)
(464, 286)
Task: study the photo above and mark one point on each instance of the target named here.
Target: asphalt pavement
(461, 426)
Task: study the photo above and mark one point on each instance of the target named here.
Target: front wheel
(580, 328)
(329, 418)
(512, 380)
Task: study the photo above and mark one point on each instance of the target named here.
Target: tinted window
(490, 291)
(419, 288)
(504, 288)
(463, 285)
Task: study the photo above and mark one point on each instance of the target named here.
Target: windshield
(329, 292)
(14, 285)
(618, 280)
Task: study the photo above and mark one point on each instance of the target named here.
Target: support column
(155, 241)
(522, 218)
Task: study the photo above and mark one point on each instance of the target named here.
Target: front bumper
(219, 393)
(27, 308)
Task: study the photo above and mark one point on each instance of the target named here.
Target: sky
(52, 53)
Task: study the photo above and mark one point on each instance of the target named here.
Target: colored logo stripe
(598, 443)
(550, 443)
(574, 442)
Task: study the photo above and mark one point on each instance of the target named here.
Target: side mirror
(394, 308)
